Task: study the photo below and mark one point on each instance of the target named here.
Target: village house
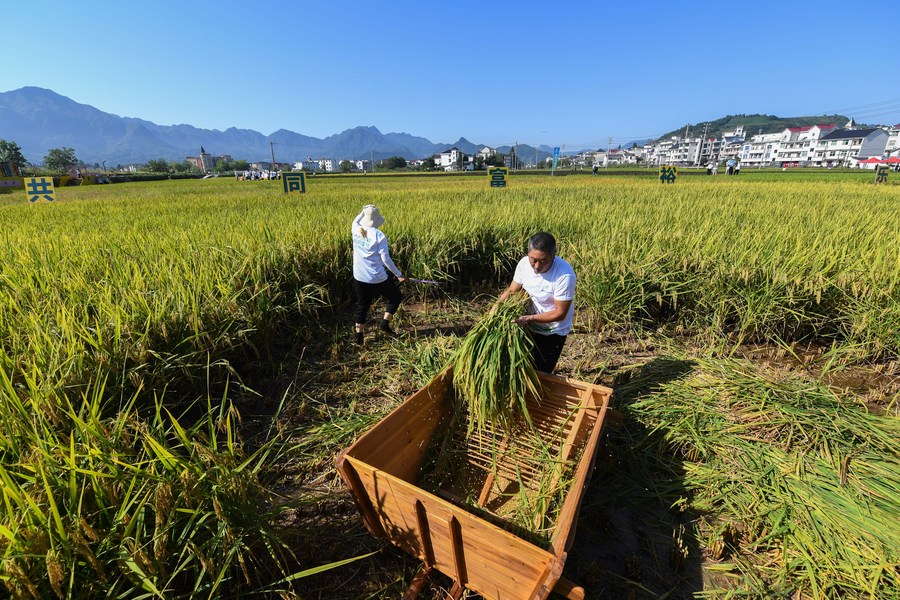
(449, 160)
(798, 144)
(843, 147)
(206, 162)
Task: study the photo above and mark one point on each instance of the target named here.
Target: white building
(732, 144)
(761, 150)
(329, 165)
(798, 144)
(449, 160)
(486, 152)
(843, 147)
(893, 142)
(309, 165)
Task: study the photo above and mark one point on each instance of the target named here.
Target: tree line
(62, 160)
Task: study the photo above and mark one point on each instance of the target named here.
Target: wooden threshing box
(470, 542)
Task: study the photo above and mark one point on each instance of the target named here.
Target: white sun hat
(371, 216)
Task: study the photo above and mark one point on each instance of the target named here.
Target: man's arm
(557, 314)
(513, 288)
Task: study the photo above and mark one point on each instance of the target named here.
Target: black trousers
(546, 351)
(366, 293)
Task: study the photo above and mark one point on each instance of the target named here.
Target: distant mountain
(38, 119)
(754, 124)
(529, 155)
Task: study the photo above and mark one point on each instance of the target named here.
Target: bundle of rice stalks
(493, 371)
(812, 480)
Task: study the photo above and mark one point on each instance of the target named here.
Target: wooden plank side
(498, 564)
(397, 444)
(568, 516)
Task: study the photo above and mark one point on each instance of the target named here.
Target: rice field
(144, 453)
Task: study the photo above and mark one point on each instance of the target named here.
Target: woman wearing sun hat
(374, 272)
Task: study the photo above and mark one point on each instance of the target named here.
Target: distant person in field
(374, 273)
(550, 284)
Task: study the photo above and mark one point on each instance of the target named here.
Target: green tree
(394, 162)
(11, 152)
(185, 167)
(158, 165)
(60, 159)
(495, 160)
(428, 164)
(346, 166)
(479, 162)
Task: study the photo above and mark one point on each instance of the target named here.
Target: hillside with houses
(827, 145)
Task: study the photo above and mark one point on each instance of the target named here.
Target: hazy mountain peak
(39, 119)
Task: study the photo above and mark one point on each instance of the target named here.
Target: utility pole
(272, 147)
(608, 147)
(702, 142)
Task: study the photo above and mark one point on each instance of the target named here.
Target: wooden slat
(456, 591)
(360, 496)
(576, 436)
(547, 582)
(459, 555)
(424, 534)
(418, 584)
(486, 488)
(567, 589)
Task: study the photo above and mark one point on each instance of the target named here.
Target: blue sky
(573, 73)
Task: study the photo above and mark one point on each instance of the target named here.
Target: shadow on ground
(632, 541)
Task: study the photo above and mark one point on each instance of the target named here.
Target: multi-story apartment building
(731, 145)
(760, 151)
(842, 147)
(798, 144)
(893, 143)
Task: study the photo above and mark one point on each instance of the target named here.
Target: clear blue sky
(573, 73)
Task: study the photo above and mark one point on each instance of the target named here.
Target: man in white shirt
(371, 263)
(550, 283)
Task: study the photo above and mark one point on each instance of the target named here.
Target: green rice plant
(133, 503)
(493, 370)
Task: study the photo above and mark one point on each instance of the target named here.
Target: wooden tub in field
(470, 540)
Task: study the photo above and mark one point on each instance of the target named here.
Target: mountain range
(38, 119)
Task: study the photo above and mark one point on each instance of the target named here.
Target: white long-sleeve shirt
(370, 254)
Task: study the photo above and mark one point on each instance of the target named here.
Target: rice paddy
(177, 376)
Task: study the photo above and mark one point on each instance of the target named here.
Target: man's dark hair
(543, 242)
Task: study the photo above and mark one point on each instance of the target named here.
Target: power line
(883, 103)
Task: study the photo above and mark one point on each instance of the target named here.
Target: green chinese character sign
(668, 174)
(497, 176)
(39, 189)
(881, 174)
